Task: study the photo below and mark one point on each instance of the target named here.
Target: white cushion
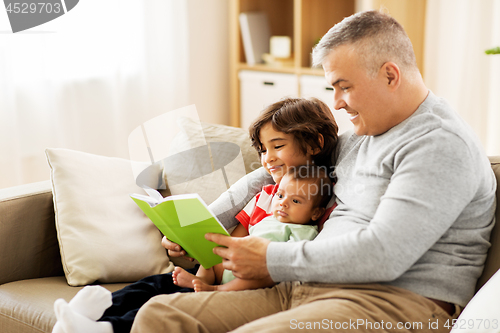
(103, 235)
(482, 314)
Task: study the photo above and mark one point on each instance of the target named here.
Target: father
(404, 247)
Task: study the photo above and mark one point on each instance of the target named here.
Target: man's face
(365, 98)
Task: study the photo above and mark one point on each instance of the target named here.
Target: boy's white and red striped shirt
(259, 207)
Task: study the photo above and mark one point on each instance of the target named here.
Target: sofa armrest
(28, 239)
(492, 263)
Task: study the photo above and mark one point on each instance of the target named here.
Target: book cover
(184, 219)
(255, 33)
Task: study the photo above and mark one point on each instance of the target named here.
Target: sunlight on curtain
(85, 80)
(456, 67)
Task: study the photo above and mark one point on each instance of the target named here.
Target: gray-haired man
(408, 239)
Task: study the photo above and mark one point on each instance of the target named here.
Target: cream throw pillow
(103, 235)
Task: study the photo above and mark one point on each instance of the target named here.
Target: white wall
(95, 112)
(209, 59)
(456, 67)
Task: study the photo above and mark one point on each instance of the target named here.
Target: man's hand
(174, 249)
(245, 256)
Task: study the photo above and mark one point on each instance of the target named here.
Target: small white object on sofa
(482, 313)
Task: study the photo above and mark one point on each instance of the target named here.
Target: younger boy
(300, 201)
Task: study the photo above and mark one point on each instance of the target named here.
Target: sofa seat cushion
(28, 305)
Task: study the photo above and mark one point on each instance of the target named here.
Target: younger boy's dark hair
(305, 119)
(318, 175)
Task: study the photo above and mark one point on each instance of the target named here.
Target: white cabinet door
(316, 86)
(259, 89)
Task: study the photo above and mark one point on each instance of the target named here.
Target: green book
(184, 219)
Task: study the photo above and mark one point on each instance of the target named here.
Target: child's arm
(214, 273)
(210, 276)
(239, 231)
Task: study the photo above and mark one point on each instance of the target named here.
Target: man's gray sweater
(415, 210)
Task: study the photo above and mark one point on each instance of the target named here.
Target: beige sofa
(31, 274)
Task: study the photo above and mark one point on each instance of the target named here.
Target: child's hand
(174, 249)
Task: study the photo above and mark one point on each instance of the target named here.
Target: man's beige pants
(294, 307)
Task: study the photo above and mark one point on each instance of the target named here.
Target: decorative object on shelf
(255, 33)
(273, 61)
(280, 46)
(495, 50)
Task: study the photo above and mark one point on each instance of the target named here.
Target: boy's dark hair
(305, 119)
(319, 176)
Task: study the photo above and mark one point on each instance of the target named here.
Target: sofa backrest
(493, 259)
(28, 240)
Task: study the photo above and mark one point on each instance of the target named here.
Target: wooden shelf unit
(305, 21)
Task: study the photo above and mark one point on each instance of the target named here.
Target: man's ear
(318, 212)
(391, 74)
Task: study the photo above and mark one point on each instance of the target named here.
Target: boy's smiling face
(295, 201)
(280, 152)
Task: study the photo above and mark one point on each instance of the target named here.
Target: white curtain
(456, 67)
(85, 80)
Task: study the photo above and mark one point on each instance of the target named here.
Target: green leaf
(495, 50)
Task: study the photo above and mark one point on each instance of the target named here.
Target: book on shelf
(184, 219)
(255, 33)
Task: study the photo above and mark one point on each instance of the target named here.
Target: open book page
(154, 194)
(153, 198)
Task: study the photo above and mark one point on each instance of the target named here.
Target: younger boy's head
(302, 196)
